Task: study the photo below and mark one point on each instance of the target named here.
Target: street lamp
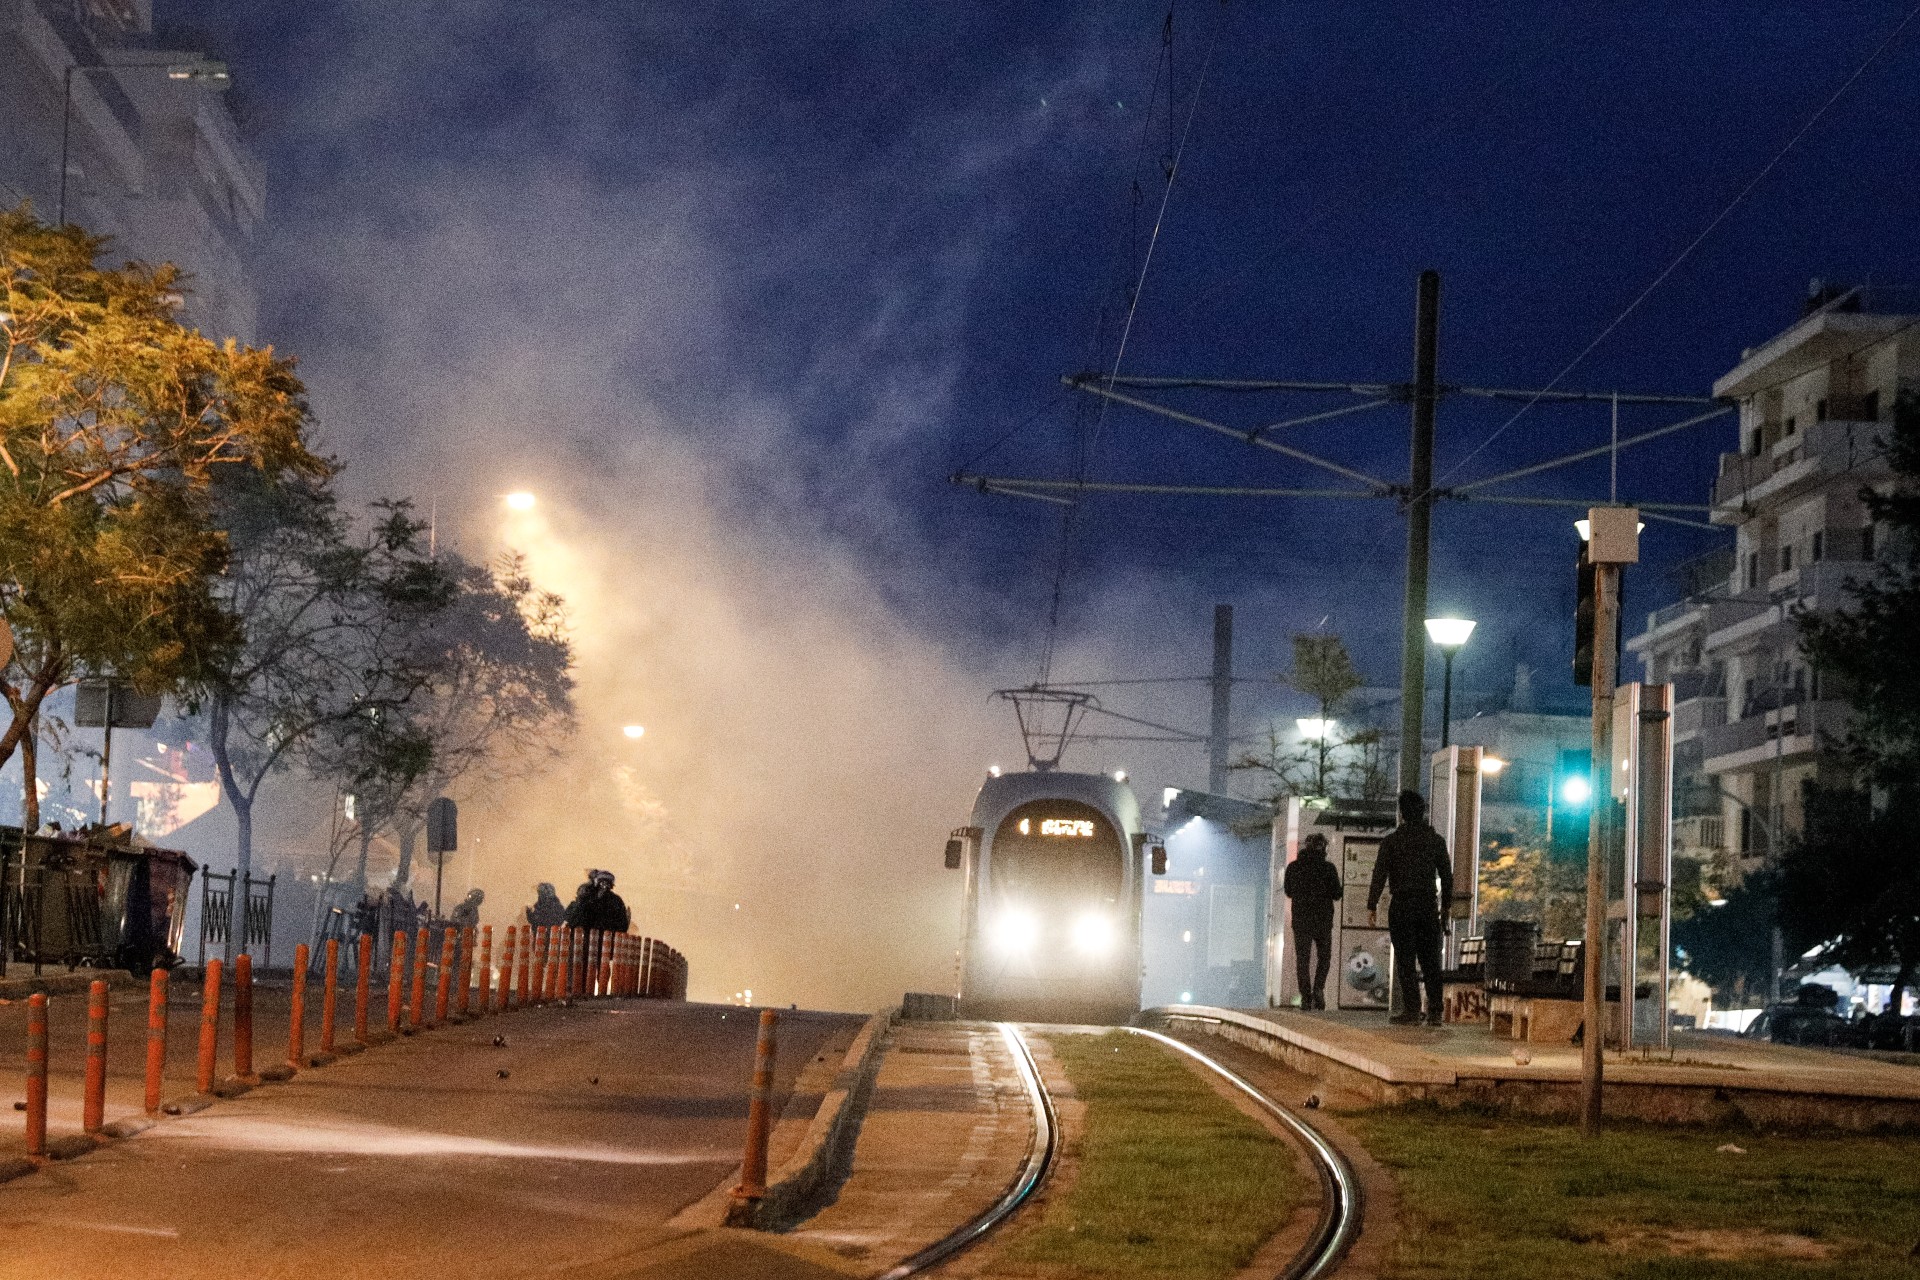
(1448, 634)
(205, 71)
(520, 500)
(635, 731)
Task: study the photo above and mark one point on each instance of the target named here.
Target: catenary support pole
(1419, 500)
(1606, 608)
(1221, 728)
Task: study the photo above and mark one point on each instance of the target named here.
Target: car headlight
(1014, 929)
(1093, 934)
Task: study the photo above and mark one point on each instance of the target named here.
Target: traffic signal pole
(1613, 540)
(1606, 606)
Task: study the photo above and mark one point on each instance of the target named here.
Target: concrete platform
(1705, 1079)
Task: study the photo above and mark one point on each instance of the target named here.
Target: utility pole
(1222, 699)
(1413, 649)
(1612, 541)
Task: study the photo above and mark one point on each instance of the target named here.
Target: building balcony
(1707, 833)
(1694, 716)
(1823, 449)
(1797, 730)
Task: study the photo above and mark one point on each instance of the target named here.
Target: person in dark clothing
(1413, 859)
(1313, 885)
(596, 906)
(547, 909)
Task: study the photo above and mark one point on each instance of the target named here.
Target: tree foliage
(115, 420)
(1348, 762)
(1850, 883)
(1730, 946)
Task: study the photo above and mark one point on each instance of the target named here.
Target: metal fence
(216, 913)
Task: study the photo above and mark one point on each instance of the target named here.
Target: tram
(1054, 864)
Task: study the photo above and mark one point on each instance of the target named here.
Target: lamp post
(1318, 730)
(200, 71)
(1448, 634)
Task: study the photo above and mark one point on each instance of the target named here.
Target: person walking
(1413, 859)
(1312, 884)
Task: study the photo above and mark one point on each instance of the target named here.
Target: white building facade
(1752, 724)
(152, 155)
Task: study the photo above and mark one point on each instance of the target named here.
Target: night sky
(784, 268)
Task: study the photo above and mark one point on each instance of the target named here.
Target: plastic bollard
(209, 1029)
(156, 1037)
(443, 980)
(753, 1169)
(330, 995)
(466, 972)
(243, 1016)
(563, 963)
(362, 986)
(396, 979)
(525, 943)
(418, 1008)
(37, 1074)
(592, 984)
(297, 1006)
(542, 941)
(604, 966)
(506, 969)
(486, 969)
(93, 1109)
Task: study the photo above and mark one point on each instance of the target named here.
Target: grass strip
(1172, 1180)
(1499, 1198)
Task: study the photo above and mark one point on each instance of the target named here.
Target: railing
(1836, 444)
(1700, 832)
(216, 913)
(1804, 721)
(1697, 715)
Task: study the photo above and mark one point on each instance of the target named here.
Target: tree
(500, 697)
(1730, 946)
(332, 649)
(115, 420)
(1852, 876)
(1323, 671)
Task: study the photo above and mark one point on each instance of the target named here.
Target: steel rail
(1033, 1169)
(1341, 1203)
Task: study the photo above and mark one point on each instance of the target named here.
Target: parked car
(1808, 1019)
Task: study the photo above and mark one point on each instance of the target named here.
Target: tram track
(1341, 1205)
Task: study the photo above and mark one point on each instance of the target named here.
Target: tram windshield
(1057, 850)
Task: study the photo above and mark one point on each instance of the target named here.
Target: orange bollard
(753, 1170)
(486, 968)
(93, 1111)
(209, 1028)
(419, 1007)
(466, 972)
(443, 981)
(243, 1016)
(297, 1007)
(527, 948)
(156, 1037)
(506, 971)
(330, 995)
(570, 965)
(396, 979)
(542, 940)
(37, 1074)
(362, 986)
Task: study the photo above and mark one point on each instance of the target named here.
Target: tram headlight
(1093, 934)
(1014, 930)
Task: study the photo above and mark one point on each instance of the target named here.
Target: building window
(1818, 550)
(1786, 558)
(1792, 424)
(1870, 407)
(1866, 542)
(1753, 570)
(1820, 410)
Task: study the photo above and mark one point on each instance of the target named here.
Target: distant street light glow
(1315, 728)
(520, 500)
(635, 731)
(1492, 764)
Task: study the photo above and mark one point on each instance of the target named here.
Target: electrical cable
(1695, 243)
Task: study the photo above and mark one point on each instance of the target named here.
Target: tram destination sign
(1071, 828)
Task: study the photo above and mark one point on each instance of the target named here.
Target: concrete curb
(64, 983)
(811, 1177)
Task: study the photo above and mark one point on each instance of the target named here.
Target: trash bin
(1510, 946)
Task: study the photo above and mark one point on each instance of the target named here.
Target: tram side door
(1362, 955)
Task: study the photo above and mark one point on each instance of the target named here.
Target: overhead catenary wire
(1726, 211)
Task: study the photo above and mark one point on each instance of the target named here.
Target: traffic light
(1583, 621)
(1568, 806)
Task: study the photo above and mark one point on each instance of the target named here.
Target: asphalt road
(420, 1157)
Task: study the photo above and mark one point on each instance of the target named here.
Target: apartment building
(151, 153)
(1752, 724)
